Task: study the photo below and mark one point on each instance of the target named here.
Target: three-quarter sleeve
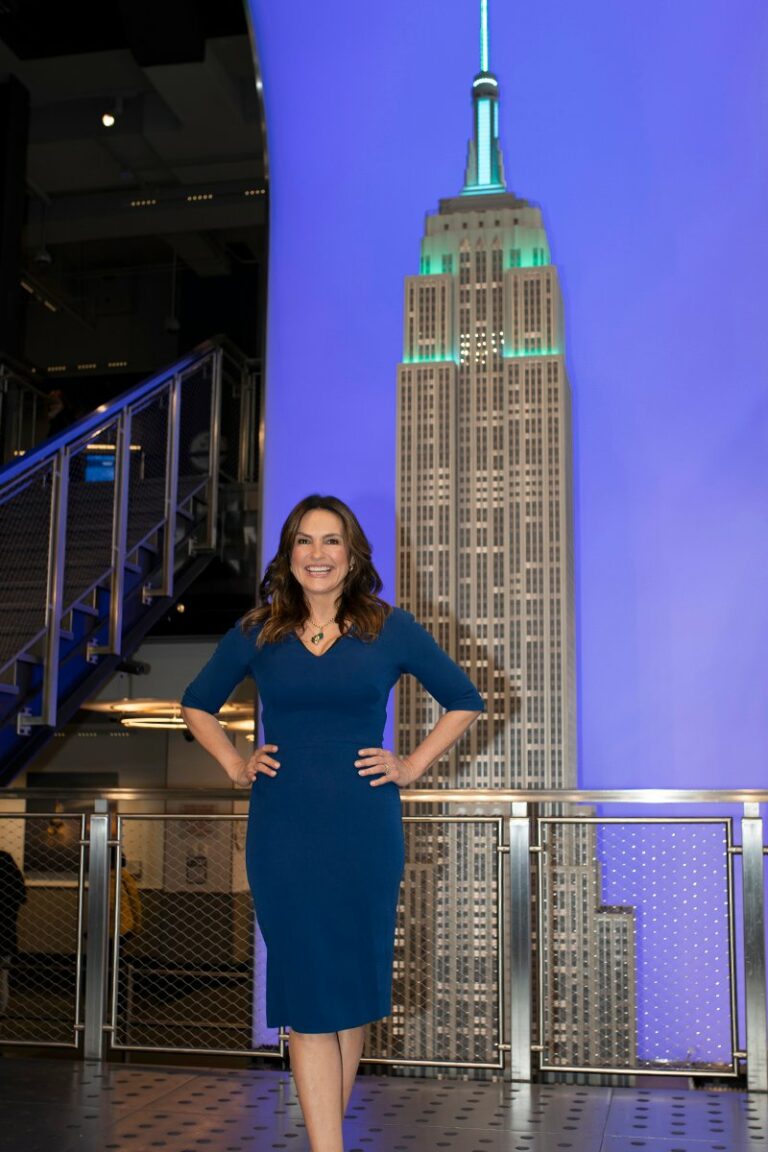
(423, 657)
(228, 665)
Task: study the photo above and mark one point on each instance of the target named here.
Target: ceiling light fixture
(110, 115)
(166, 714)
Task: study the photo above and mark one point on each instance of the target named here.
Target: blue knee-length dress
(325, 849)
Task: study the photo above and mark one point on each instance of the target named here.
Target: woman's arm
(210, 735)
(405, 770)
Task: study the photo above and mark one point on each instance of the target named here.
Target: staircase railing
(99, 520)
(23, 411)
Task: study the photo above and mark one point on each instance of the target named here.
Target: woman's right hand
(246, 772)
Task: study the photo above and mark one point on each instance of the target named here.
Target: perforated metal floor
(68, 1107)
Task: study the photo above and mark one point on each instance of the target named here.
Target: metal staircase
(100, 529)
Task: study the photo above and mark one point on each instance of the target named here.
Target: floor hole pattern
(133, 1109)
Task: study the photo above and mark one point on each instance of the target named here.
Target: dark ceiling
(175, 189)
(165, 32)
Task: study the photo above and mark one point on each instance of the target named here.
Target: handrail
(530, 875)
(163, 440)
(9, 371)
(221, 340)
(95, 420)
(23, 403)
(435, 795)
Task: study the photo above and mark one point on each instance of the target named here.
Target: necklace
(320, 634)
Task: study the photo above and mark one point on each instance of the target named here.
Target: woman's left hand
(389, 768)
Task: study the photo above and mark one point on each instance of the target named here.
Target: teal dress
(325, 849)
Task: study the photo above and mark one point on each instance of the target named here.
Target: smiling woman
(321, 583)
(325, 840)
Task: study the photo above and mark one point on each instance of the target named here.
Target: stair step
(86, 610)
(25, 658)
(9, 689)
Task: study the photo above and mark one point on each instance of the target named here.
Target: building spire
(485, 166)
(483, 35)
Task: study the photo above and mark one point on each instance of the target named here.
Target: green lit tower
(485, 166)
(485, 560)
(485, 473)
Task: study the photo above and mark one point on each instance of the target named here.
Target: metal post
(754, 948)
(214, 450)
(3, 407)
(246, 449)
(245, 420)
(57, 550)
(97, 949)
(171, 490)
(520, 988)
(119, 535)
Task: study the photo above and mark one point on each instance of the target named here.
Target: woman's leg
(317, 1070)
(351, 1042)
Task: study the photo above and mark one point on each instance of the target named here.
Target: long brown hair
(283, 607)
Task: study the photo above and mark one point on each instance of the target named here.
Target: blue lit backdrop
(643, 133)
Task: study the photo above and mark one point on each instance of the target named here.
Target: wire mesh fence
(636, 954)
(24, 561)
(90, 464)
(148, 456)
(635, 939)
(195, 427)
(41, 939)
(88, 541)
(448, 979)
(187, 968)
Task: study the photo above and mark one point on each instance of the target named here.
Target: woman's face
(320, 557)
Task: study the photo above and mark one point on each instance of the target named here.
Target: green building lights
(507, 354)
(485, 167)
(530, 353)
(483, 35)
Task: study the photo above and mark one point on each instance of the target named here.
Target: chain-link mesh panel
(89, 514)
(238, 419)
(149, 453)
(195, 429)
(636, 945)
(25, 514)
(187, 973)
(446, 991)
(40, 918)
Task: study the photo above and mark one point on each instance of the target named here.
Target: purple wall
(643, 133)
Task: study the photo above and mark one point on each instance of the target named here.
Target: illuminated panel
(483, 35)
(484, 142)
(637, 154)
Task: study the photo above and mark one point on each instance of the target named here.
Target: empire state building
(484, 473)
(485, 560)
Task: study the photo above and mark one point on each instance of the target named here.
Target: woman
(325, 841)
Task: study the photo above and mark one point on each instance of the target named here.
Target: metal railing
(84, 517)
(535, 935)
(23, 411)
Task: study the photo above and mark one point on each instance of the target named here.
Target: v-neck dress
(325, 849)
